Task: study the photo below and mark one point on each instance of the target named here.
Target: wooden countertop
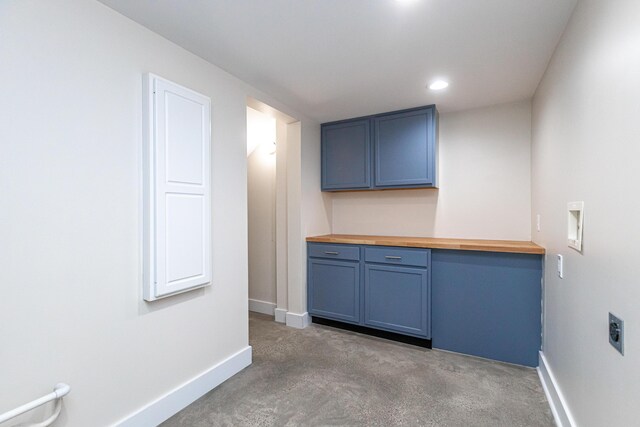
(512, 246)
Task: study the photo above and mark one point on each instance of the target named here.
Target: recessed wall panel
(177, 189)
(185, 231)
(184, 143)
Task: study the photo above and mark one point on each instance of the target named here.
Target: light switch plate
(538, 222)
(560, 266)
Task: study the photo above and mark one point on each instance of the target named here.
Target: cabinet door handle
(393, 257)
(330, 253)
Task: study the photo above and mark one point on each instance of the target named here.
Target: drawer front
(322, 250)
(397, 256)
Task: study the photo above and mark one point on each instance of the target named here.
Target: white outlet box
(560, 266)
(538, 222)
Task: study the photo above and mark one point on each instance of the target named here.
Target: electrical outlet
(538, 222)
(616, 333)
(560, 266)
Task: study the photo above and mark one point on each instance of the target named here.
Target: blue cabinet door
(346, 155)
(405, 149)
(397, 299)
(334, 289)
(487, 304)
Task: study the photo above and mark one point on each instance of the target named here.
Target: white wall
(296, 254)
(586, 142)
(282, 263)
(70, 220)
(316, 210)
(261, 200)
(261, 130)
(484, 192)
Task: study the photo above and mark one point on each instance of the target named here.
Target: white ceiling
(334, 59)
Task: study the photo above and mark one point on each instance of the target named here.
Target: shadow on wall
(392, 212)
(146, 307)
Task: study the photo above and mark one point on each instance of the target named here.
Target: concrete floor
(326, 376)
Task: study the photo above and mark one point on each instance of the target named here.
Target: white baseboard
(263, 307)
(559, 408)
(281, 315)
(171, 403)
(299, 321)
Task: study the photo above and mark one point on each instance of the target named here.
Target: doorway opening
(273, 208)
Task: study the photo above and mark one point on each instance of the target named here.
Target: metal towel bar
(59, 391)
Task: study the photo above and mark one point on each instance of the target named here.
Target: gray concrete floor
(326, 376)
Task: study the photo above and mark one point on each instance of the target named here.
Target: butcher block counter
(509, 246)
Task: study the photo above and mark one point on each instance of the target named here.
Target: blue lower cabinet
(334, 289)
(397, 299)
(487, 304)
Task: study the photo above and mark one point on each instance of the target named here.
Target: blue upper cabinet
(404, 149)
(390, 150)
(346, 155)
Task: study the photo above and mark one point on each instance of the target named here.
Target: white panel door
(178, 190)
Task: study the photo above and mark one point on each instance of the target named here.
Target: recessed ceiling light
(438, 85)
